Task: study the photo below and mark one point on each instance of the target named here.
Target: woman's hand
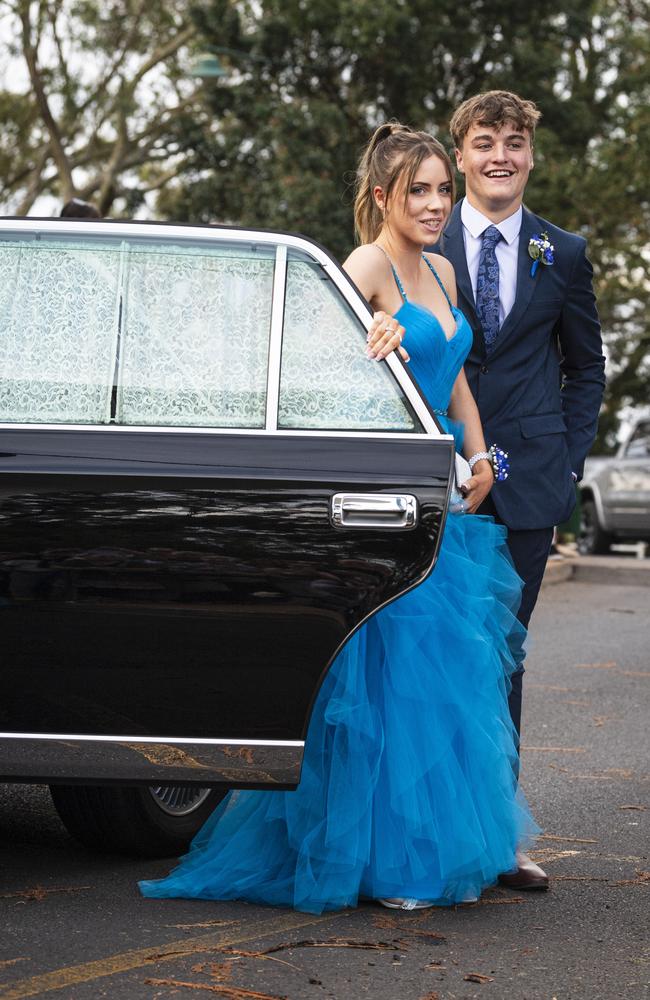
(385, 335)
(477, 488)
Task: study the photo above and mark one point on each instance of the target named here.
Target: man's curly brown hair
(493, 109)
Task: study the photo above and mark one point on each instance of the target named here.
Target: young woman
(408, 792)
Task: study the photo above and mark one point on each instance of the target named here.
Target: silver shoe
(399, 903)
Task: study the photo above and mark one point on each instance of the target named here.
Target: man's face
(496, 164)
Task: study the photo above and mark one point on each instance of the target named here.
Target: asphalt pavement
(75, 928)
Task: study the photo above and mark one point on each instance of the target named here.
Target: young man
(536, 368)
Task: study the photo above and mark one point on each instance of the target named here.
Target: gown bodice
(436, 359)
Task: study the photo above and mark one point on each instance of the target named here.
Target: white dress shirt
(474, 225)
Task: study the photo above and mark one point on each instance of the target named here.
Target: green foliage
(312, 80)
(89, 115)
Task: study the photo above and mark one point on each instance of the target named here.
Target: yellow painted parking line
(74, 975)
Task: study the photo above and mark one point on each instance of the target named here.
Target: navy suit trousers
(529, 549)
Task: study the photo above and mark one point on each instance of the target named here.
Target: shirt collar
(476, 223)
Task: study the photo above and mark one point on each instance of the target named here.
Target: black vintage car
(205, 488)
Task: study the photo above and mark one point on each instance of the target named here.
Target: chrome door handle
(374, 510)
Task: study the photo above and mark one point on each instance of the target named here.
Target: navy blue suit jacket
(539, 390)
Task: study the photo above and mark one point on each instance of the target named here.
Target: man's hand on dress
(478, 486)
(385, 335)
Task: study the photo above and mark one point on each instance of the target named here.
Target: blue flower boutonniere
(542, 251)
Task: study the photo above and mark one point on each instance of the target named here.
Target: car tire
(592, 539)
(152, 822)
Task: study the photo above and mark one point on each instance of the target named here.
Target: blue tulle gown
(408, 786)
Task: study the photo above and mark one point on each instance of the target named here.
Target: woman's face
(421, 218)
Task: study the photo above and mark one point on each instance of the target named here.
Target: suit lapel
(526, 284)
(452, 246)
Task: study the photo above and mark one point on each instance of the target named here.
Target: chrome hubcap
(175, 800)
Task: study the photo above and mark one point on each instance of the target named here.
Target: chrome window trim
(198, 233)
(94, 738)
(275, 339)
(250, 431)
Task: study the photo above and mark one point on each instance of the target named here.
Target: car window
(59, 315)
(326, 380)
(639, 444)
(114, 328)
(102, 329)
(195, 332)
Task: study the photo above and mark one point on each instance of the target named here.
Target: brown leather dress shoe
(528, 875)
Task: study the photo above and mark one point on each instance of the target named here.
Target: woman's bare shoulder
(366, 257)
(369, 268)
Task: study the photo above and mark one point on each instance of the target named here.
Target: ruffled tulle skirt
(409, 783)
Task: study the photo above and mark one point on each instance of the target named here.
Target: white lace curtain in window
(326, 379)
(195, 331)
(59, 310)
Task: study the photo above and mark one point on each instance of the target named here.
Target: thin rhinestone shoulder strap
(401, 286)
(438, 279)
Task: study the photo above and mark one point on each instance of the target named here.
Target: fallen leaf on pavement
(262, 955)
(478, 977)
(579, 878)
(38, 892)
(161, 955)
(11, 961)
(385, 922)
(328, 943)
(438, 938)
(203, 923)
(547, 854)
(568, 840)
(431, 996)
(604, 776)
(636, 808)
(232, 992)
(221, 971)
(642, 878)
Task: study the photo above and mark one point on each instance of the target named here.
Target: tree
(592, 171)
(103, 87)
(313, 79)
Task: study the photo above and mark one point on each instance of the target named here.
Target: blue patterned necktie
(487, 287)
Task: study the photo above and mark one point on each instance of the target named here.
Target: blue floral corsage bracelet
(500, 463)
(541, 250)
